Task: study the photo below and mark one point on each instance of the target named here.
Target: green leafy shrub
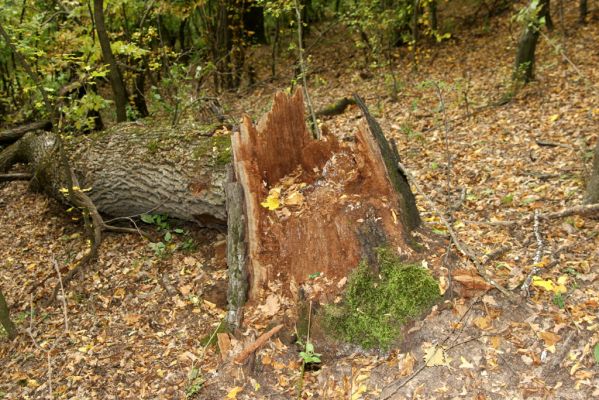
(375, 307)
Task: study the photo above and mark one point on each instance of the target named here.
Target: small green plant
(195, 382)
(162, 225)
(559, 300)
(375, 306)
(309, 356)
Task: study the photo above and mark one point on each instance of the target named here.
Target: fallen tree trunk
(134, 169)
(315, 206)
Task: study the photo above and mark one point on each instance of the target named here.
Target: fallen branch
(462, 247)
(14, 134)
(17, 176)
(248, 350)
(336, 108)
(524, 290)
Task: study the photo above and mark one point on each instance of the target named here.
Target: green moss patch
(375, 307)
(218, 148)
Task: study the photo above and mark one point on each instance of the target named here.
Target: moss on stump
(375, 307)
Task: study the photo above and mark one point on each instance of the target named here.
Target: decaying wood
(14, 134)
(246, 352)
(349, 205)
(336, 108)
(236, 252)
(17, 176)
(132, 169)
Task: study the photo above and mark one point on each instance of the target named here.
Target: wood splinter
(252, 347)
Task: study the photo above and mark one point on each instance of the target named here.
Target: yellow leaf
(273, 201)
(436, 356)
(549, 286)
(86, 348)
(234, 392)
(465, 364)
(554, 117)
(539, 282)
(357, 394)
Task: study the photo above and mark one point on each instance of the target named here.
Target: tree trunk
(116, 79)
(592, 193)
(253, 22)
(545, 12)
(133, 169)
(330, 204)
(5, 320)
(432, 9)
(525, 55)
(583, 10)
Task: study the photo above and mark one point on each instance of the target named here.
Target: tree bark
(583, 10)
(525, 55)
(133, 169)
(592, 192)
(545, 12)
(331, 203)
(5, 320)
(116, 79)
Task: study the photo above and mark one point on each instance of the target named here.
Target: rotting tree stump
(310, 206)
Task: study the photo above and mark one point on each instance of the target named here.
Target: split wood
(248, 350)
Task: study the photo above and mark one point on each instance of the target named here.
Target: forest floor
(138, 322)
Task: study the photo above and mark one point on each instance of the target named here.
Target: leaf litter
(130, 338)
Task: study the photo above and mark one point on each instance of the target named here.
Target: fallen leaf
(549, 338)
(273, 201)
(483, 323)
(436, 356)
(234, 392)
(271, 306)
(407, 365)
(465, 364)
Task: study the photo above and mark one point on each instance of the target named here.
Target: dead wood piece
(248, 350)
(14, 134)
(17, 176)
(336, 108)
(236, 253)
(390, 158)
